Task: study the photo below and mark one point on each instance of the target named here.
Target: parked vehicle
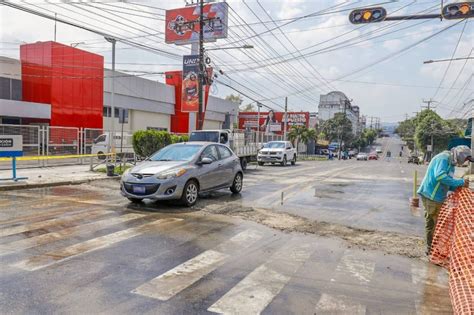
(378, 149)
(102, 143)
(277, 152)
(414, 159)
(362, 157)
(242, 143)
(181, 171)
(352, 153)
(373, 156)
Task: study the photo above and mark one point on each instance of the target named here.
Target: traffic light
(369, 15)
(460, 10)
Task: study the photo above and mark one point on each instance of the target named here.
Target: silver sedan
(181, 171)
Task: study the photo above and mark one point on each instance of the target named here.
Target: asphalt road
(84, 249)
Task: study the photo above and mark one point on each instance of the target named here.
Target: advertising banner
(190, 86)
(11, 145)
(182, 25)
(272, 122)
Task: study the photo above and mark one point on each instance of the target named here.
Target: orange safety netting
(453, 248)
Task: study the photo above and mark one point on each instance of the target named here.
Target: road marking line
(179, 278)
(51, 222)
(45, 260)
(361, 270)
(9, 248)
(339, 304)
(170, 283)
(256, 291)
(42, 215)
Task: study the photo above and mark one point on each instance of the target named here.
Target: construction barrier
(453, 248)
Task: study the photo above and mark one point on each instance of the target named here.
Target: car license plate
(138, 189)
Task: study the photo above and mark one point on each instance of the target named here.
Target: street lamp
(443, 60)
(232, 47)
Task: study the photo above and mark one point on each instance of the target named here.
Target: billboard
(182, 25)
(190, 86)
(272, 122)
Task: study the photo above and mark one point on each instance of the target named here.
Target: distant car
(352, 153)
(181, 171)
(373, 156)
(277, 152)
(378, 150)
(325, 152)
(415, 159)
(362, 157)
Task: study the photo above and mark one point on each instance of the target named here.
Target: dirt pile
(388, 242)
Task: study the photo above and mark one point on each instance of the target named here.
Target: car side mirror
(205, 160)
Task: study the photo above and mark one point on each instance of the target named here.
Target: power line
(452, 56)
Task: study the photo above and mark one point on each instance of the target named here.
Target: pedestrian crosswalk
(270, 263)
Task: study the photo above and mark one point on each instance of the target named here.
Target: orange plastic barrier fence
(453, 248)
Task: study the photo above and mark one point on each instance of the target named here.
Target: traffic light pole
(201, 64)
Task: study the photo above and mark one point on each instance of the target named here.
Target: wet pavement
(84, 249)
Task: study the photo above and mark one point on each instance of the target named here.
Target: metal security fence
(32, 137)
(89, 135)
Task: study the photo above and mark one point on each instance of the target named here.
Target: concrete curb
(54, 184)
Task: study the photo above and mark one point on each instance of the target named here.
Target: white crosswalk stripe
(50, 258)
(89, 214)
(253, 294)
(338, 304)
(9, 248)
(356, 268)
(182, 276)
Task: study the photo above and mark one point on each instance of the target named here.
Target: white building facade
(337, 102)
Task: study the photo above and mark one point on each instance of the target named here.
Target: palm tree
(296, 134)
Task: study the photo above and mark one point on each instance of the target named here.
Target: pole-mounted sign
(11, 146)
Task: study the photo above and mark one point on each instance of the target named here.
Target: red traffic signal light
(460, 10)
(369, 15)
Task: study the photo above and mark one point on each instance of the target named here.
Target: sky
(298, 51)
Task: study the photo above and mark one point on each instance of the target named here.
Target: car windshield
(274, 145)
(183, 152)
(211, 136)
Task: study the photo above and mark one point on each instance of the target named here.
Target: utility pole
(285, 122)
(258, 122)
(342, 130)
(55, 22)
(112, 94)
(429, 102)
(201, 64)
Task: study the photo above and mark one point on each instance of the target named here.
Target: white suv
(277, 152)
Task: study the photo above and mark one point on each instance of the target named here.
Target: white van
(101, 144)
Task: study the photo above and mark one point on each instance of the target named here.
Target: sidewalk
(50, 176)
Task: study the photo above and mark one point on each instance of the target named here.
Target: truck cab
(243, 145)
(101, 144)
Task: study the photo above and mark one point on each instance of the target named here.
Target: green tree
(296, 133)
(431, 127)
(338, 127)
(235, 98)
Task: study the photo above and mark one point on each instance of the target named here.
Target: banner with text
(272, 122)
(182, 25)
(190, 87)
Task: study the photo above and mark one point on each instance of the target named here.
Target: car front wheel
(293, 161)
(261, 163)
(284, 161)
(237, 184)
(190, 194)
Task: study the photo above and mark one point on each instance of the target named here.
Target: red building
(69, 79)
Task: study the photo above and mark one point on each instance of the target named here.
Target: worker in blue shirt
(438, 181)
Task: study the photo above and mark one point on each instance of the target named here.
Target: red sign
(272, 122)
(182, 25)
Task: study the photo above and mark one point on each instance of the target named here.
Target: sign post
(11, 146)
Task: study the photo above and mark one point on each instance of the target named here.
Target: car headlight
(171, 174)
(127, 171)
